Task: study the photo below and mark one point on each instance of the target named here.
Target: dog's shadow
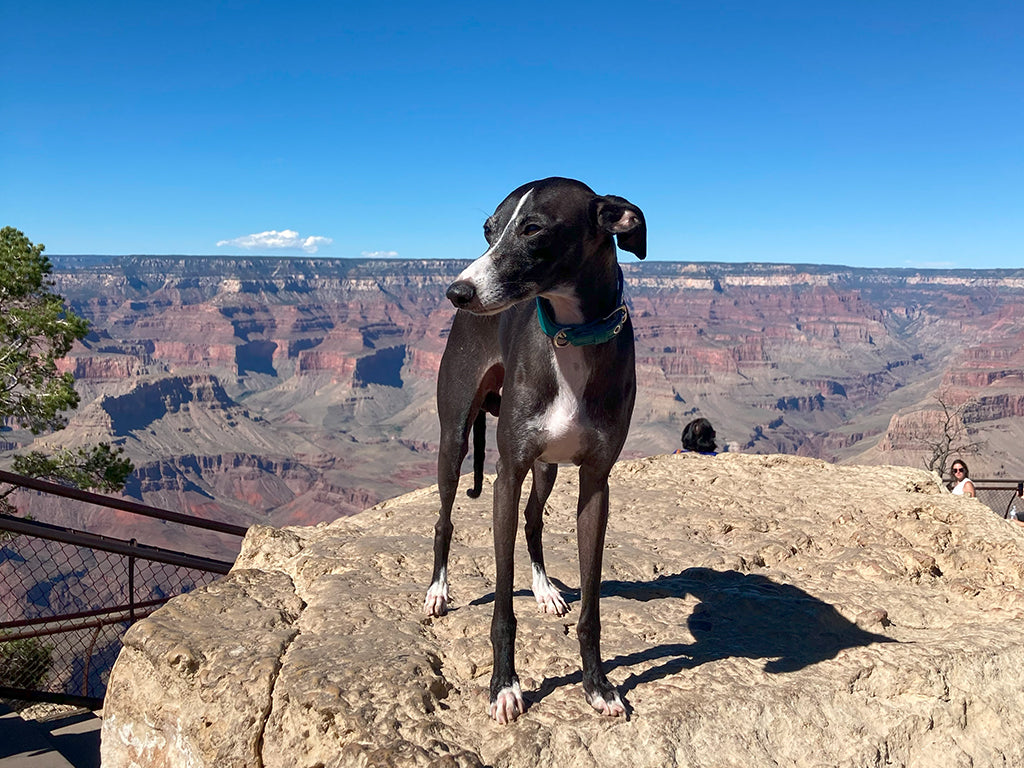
(738, 615)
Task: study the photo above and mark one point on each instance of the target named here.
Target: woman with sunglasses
(964, 486)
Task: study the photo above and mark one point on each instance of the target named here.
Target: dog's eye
(531, 229)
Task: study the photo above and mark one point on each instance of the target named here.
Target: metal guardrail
(56, 489)
(68, 596)
(996, 494)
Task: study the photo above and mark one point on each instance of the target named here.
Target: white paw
(610, 707)
(508, 705)
(549, 599)
(436, 602)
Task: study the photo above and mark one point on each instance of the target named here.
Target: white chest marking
(563, 421)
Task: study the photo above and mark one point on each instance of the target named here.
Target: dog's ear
(624, 220)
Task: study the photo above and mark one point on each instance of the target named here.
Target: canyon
(288, 391)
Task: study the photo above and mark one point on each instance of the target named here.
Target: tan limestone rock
(757, 610)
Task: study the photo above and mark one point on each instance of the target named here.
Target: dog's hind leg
(549, 599)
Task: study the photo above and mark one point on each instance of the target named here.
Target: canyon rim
(757, 610)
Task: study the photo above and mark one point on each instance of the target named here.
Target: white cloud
(286, 238)
(379, 254)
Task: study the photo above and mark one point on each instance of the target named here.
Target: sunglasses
(958, 470)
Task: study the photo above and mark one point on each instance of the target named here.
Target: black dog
(542, 336)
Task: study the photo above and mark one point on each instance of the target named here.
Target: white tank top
(959, 489)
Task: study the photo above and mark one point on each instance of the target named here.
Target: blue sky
(859, 133)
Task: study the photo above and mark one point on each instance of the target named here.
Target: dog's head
(540, 238)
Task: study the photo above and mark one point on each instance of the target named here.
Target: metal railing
(68, 596)
(996, 494)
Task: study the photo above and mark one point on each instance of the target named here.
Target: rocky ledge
(757, 610)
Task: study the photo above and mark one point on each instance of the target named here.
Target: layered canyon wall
(292, 391)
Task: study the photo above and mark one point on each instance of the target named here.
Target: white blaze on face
(481, 273)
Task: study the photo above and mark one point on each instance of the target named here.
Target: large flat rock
(757, 610)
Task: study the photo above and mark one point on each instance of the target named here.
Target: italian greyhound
(543, 338)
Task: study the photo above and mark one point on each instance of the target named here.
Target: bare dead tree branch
(947, 434)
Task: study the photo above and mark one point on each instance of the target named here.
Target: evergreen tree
(36, 330)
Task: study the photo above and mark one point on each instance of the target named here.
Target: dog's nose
(460, 293)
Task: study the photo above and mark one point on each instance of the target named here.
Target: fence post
(131, 585)
(88, 659)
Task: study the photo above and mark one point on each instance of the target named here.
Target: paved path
(72, 741)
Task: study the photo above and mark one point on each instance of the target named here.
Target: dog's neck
(586, 333)
(588, 299)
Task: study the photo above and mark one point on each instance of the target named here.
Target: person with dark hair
(699, 437)
(964, 486)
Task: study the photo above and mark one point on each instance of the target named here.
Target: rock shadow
(739, 615)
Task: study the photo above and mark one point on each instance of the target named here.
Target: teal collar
(585, 334)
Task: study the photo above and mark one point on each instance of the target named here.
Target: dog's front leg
(591, 521)
(506, 696)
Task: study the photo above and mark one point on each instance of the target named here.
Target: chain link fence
(996, 494)
(67, 597)
(66, 608)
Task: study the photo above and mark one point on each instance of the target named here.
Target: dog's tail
(479, 448)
